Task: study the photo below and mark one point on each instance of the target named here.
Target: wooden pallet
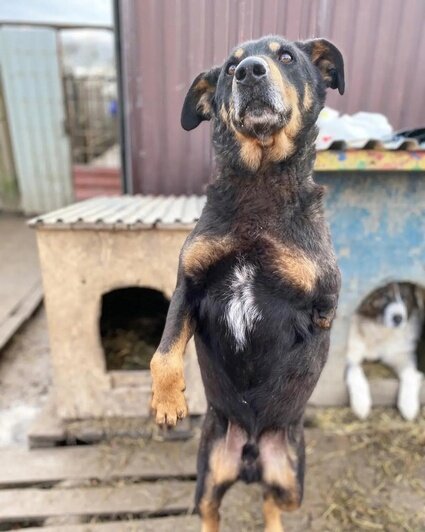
(144, 485)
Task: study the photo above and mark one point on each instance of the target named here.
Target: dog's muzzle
(259, 106)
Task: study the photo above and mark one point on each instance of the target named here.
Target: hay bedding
(131, 347)
(382, 485)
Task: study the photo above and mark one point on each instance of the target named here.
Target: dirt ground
(24, 379)
(360, 475)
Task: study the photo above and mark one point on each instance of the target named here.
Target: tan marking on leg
(202, 252)
(209, 509)
(272, 515)
(238, 53)
(168, 382)
(224, 465)
(308, 97)
(274, 46)
(225, 457)
(292, 265)
(279, 464)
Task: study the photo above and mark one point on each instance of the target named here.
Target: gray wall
(166, 43)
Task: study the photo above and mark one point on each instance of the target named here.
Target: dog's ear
(328, 60)
(198, 103)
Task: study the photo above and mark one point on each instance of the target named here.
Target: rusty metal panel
(166, 43)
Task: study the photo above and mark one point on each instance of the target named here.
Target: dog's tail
(251, 467)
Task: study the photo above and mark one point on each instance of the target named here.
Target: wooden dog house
(92, 249)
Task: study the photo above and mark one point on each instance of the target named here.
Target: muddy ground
(360, 475)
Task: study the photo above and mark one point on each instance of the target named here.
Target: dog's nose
(397, 319)
(251, 70)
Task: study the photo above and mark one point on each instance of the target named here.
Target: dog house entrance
(131, 323)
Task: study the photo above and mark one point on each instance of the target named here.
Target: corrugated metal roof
(126, 212)
(399, 144)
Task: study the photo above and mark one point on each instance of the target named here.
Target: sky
(68, 11)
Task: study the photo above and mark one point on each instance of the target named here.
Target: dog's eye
(231, 69)
(286, 57)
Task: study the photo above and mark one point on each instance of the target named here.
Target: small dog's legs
(408, 400)
(219, 463)
(282, 459)
(358, 390)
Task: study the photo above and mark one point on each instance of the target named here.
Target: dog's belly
(257, 343)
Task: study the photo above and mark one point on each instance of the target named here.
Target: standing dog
(257, 281)
(386, 327)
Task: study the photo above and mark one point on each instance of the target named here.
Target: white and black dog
(386, 328)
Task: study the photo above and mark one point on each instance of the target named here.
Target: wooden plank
(145, 460)
(47, 429)
(370, 160)
(143, 498)
(160, 524)
(20, 314)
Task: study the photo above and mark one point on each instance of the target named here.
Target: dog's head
(392, 305)
(266, 95)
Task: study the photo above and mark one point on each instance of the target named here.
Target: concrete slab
(20, 280)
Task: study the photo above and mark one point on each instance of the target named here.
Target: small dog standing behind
(387, 328)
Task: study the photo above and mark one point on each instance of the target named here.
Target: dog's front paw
(408, 401)
(168, 386)
(359, 392)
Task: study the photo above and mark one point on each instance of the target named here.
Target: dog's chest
(241, 312)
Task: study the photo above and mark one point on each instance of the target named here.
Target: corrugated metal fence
(33, 95)
(166, 43)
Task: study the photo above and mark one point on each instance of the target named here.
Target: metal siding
(9, 193)
(34, 98)
(166, 43)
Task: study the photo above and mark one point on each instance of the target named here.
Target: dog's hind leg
(282, 455)
(219, 464)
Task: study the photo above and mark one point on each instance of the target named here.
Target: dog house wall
(378, 225)
(86, 251)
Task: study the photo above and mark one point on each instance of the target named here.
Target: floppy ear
(198, 103)
(328, 60)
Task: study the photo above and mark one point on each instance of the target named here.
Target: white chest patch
(241, 311)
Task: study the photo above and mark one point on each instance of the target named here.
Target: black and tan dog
(258, 281)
